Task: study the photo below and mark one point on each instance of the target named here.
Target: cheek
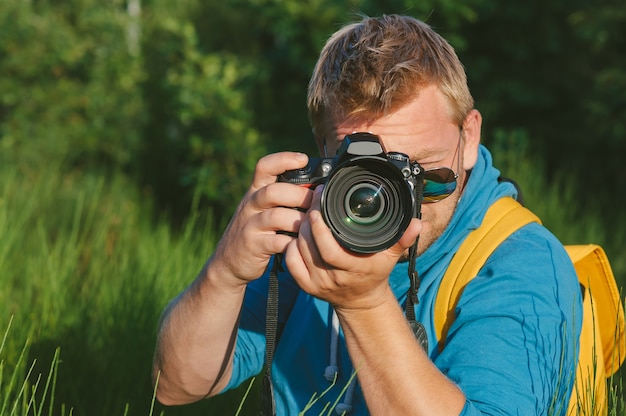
(430, 221)
(435, 219)
(432, 213)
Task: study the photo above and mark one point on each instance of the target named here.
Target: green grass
(86, 267)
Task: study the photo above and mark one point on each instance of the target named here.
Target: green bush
(80, 92)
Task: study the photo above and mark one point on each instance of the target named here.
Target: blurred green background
(130, 129)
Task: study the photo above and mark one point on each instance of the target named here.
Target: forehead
(419, 128)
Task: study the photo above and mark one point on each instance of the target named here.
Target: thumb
(408, 238)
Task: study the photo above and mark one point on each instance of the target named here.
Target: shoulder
(534, 253)
(530, 270)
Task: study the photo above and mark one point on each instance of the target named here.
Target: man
(512, 346)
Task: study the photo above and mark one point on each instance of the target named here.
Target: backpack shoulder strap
(596, 276)
(503, 218)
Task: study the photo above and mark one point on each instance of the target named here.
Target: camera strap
(411, 300)
(271, 327)
(414, 281)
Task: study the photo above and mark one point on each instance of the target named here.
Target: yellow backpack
(602, 342)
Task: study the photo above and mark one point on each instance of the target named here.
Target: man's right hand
(197, 334)
(251, 237)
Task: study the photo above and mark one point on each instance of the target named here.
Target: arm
(196, 338)
(408, 383)
(195, 344)
(395, 374)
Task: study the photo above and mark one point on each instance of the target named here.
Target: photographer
(511, 348)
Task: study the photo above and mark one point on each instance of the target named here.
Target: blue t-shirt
(512, 348)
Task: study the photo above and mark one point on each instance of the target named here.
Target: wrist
(376, 300)
(217, 274)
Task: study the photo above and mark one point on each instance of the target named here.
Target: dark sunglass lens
(440, 175)
(439, 183)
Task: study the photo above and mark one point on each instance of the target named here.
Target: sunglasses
(440, 183)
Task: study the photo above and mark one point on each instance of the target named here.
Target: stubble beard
(433, 231)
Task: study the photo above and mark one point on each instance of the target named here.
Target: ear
(471, 135)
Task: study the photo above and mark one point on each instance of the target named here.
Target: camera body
(369, 196)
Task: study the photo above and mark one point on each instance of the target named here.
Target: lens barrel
(368, 204)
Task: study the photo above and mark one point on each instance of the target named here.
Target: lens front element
(367, 204)
(364, 203)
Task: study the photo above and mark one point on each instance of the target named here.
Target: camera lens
(364, 204)
(367, 204)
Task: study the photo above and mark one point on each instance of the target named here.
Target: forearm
(196, 339)
(395, 374)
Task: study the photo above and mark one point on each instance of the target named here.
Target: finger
(407, 239)
(267, 238)
(282, 194)
(277, 243)
(327, 249)
(305, 258)
(280, 219)
(297, 266)
(316, 197)
(269, 167)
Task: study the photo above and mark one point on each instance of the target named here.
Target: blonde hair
(373, 67)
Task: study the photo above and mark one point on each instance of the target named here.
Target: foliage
(85, 270)
(75, 92)
(25, 392)
(199, 136)
(555, 200)
(68, 88)
(555, 70)
(175, 94)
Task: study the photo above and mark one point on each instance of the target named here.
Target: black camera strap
(271, 327)
(411, 300)
(414, 281)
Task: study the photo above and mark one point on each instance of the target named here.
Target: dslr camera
(369, 195)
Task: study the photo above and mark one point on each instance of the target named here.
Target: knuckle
(332, 254)
(279, 243)
(269, 216)
(271, 192)
(263, 163)
(262, 197)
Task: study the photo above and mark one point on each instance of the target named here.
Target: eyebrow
(429, 153)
